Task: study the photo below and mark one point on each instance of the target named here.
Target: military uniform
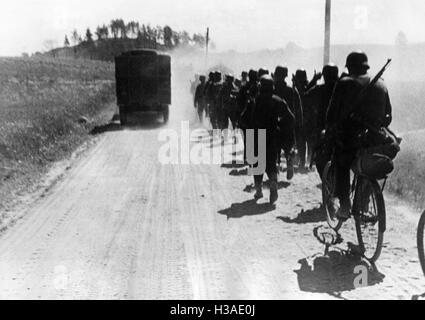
(288, 130)
(374, 109)
(269, 111)
(292, 98)
(200, 100)
(319, 98)
(227, 102)
(245, 102)
(212, 94)
(304, 131)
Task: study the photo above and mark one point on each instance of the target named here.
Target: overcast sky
(243, 25)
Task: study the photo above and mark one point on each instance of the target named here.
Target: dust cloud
(404, 78)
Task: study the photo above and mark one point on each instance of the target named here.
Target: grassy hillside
(47, 108)
(104, 50)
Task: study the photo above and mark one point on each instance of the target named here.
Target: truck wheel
(166, 113)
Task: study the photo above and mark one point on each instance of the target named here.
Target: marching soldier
(292, 98)
(269, 110)
(305, 135)
(319, 97)
(213, 91)
(245, 101)
(200, 101)
(227, 101)
(244, 78)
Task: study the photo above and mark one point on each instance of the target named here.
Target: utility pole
(207, 40)
(327, 46)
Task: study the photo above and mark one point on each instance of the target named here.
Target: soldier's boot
(290, 166)
(258, 191)
(273, 190)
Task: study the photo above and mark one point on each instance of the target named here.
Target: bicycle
(420, 241)
(368, 210)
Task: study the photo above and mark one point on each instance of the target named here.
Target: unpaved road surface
(121, 225)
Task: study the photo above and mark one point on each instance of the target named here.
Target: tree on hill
(149, 33)
(199, 40)
(115, 28)
(117, 36)
(102, 33)
(159, 34)
(168, 37)
(132, 29)
(122, 28)
(176, 39)
(75, 37)
(185, 38)
(89, 36)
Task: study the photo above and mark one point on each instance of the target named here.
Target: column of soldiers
(294, 116)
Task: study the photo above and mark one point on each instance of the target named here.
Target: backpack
(375, 159)
(373, 165)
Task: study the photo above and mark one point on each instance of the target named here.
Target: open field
(408, 178)
(47, 109)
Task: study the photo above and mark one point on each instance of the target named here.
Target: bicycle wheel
(420, 236)
(369, 213)
(328, 197)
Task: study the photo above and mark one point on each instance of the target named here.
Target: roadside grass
(47, 109)
(408, 179)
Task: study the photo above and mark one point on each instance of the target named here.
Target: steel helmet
(230, 77)
(281, 72)
(252, 74)
(330, 72)
(262, 72)
(301, 75)
(266, 84)
(357, 59)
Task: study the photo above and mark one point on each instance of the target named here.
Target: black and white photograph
(212, 150)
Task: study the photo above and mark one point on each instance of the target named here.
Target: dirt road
(120, 225)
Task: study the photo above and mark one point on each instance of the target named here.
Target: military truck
(143, 83)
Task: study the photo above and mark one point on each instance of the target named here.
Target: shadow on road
(335, 273)
(314, 215)
(280, 185)
(247, 208)
(236, 172)
(147, 122)
(111, 126)
(232, 165)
